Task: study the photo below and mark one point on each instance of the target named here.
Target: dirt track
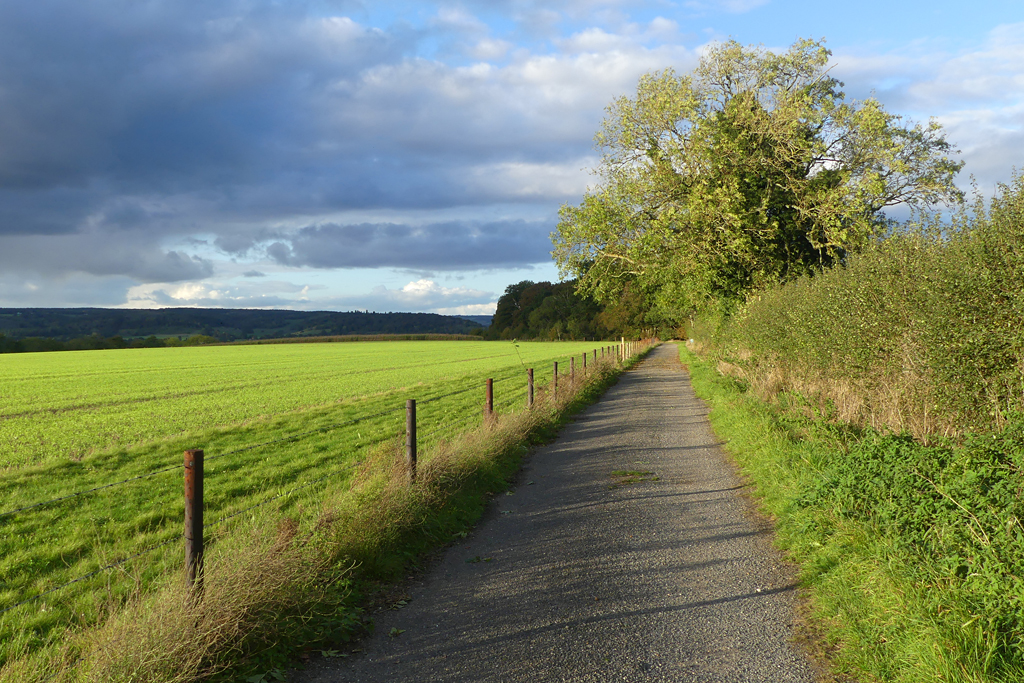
(584, 575)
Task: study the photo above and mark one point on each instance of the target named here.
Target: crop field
(91, 449)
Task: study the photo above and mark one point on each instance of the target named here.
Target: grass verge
(911, 552)
(277, 584)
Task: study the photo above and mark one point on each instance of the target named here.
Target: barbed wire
(448, 395)
(318, 430)
(214, 457)
(460, 426)
(97, 488)
(91, 574)
(282, 495)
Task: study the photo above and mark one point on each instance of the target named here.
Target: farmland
(272, 419)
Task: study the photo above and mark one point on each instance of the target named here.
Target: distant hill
(484, 320)
(222, 323)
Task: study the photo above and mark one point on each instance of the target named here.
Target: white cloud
(490, 49)
(472, 309)
(730, 6)
(523, 180)
(423, 291)
(977, 94)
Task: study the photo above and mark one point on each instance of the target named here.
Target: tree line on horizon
(63, 329)
(559, 311)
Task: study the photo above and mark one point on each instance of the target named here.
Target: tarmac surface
(584, 573)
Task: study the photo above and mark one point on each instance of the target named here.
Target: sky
(392, 156)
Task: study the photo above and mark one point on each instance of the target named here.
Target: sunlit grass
(249, 396)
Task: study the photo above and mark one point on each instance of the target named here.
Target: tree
(541, 310)
(508, 313)
(752, 170)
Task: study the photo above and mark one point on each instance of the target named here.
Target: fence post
(572, 370)
(529, 388)
(410, 438)
(595, 356)
(194, 519)
(584, 363)
(554, 381)
(489, 399)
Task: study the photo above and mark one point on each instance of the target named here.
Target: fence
(193, 467)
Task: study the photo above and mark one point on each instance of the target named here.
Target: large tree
(751, 170)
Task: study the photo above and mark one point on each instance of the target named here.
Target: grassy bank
(913, 553)
(285, 578)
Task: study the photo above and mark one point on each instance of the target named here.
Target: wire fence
(464, 414)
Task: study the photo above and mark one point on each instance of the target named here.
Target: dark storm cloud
(159, 90)
(238, 103)
(448, 246)
(126, 128)
(130, 255)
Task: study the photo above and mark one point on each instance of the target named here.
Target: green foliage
(752, 170)
(541, 310)
(925, 324)
(914, 554)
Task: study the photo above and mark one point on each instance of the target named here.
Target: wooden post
(194, 520)
(554, 381)
(584, 363)
(595, 356)
(410, 438)
(489, 399)
(529, 388)
(572, 370)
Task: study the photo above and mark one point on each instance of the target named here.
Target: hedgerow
(921, 332)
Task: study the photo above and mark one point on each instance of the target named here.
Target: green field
(71, 422)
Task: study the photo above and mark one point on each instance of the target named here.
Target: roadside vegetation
(304, 503)
(879, 409)
(913, 553)
(867, 374)
(922, 332)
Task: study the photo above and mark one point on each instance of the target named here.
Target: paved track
(588, 580)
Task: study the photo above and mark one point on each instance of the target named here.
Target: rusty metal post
(529, 388)
(489, 399)
(554, 381)
(194, 519)
(410, 438)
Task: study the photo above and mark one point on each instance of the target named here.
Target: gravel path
(584, 575)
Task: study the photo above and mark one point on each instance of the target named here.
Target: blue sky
(391, 156)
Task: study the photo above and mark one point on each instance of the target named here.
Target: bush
(920, 332)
